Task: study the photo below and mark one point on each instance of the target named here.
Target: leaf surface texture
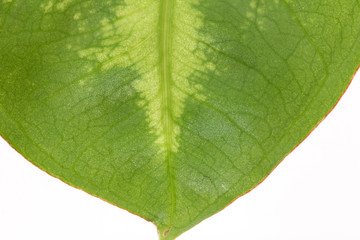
(170, 109)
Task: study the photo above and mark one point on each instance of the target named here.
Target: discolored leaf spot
(170, 109)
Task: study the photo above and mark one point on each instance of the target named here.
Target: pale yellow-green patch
(250, 15)
(128, 40)
(77, 16)
(47, 7)
(64, 4)
(253, 4)
(82, 82)
(255, 12)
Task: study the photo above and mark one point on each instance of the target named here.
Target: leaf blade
(171, 121)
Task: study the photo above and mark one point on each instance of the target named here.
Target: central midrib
(165, 41)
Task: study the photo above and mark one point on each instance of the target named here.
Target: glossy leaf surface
(170, 109)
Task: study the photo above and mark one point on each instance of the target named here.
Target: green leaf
(170, 109)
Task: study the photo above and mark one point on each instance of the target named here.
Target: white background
(314, 194)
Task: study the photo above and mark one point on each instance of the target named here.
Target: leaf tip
(163, 235)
